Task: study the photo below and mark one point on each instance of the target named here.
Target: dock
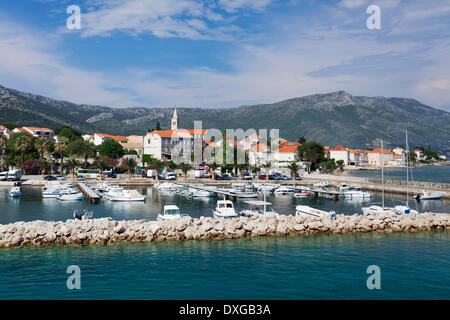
(88, 192)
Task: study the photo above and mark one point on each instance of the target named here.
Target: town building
(134, 142)
(36, 132)
(99, 138)
(285, 154)
(340, 153)
(377, 156)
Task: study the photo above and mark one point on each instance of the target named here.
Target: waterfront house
(36, 132)
(99, 138)
(376, 156)
(419, 154)
(340, 153)
(285, 153)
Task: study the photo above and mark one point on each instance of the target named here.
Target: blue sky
(225, 53)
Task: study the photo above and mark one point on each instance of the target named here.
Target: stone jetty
(107, 231)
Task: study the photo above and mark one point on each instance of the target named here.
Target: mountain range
(336, 118)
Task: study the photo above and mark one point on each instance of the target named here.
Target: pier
(88, 192)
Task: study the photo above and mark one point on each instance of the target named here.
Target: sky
(225, 53)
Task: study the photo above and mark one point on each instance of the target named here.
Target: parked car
(50, 178)
(112, 175)
(247, 176)
(222, 177)
(262, 177)
(81, 178)
(60, 178)
(3, 175)
(298, 177)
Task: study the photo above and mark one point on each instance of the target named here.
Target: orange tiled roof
(380, 151)
(36, 129)
(258, 148)
(339, 148)
(202, 132)
(115, 138)
(212, 144)
(287, 149)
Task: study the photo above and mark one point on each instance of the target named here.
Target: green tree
(61, 147)
(158, 126)
(301, 140)
(43, 146)
(84, 149)
(184, 167)
(111, 148)
(412, 156)
(340, 165)
(267, 167)
(72, 164)
(43, 165)
(156, 165)
(129, 164)
(3, 140)
(22, 143)
(293, 167)
(431, 154)
(312, 152)
(100, 164)
(213, 166)
(67, 132)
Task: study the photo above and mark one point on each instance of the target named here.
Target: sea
(412, 265)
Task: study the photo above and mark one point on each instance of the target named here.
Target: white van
(14, 175)
(169, 176)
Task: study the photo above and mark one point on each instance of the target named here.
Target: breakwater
(107, 231)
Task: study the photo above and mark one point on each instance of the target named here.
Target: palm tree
(129, 164)
(155, 164)
(73, 164)
(43, 166)
(85, 149)
(22, 143)
(213, 166)
(100, 164)
(43, 145)
(3, 140)
(293, 166)
(185, 167)
(267, 166)
(61, 147)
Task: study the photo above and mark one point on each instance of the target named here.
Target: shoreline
(105, 231)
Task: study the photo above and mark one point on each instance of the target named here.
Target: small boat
(196, 193)
(50, 192)
(426, 195)
(357, 194)
(306, 211)
(246, 194)
(284, 190)
(343, 187)
(71, 197)
(84, 215)
(171, 212)
(224, 209)
(322, 185)
(260, 208)
(302, 194)
(167, 186)
(15, 192)
(238, 185)
(124, 195)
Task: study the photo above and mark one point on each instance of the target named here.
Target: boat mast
(407, 165)
(264, 187)
(382, 176)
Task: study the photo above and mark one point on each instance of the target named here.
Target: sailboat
(374, 208)
(406, 209)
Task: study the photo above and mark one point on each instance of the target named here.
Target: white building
(36, 132)
(285, 154)
(258, 155)
(99, 138)
(376, 156)
(340, 153)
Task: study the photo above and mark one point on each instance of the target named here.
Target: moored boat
(307, 211)
(15, 192)
(224, 209)
(170, 212)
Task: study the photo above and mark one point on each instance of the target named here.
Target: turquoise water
(428, 174)
(32, 207)
(413, 266)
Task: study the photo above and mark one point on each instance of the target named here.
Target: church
(174, 144)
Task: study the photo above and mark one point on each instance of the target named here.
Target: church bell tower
(174, 125)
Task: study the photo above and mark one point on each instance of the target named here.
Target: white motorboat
(238, 185)
(167, 186)
(197, 193)
(126, 195)
(259, 208)
(71, 197)
(302, 194)
(307, 211)
(246, 194)
(426, 195)
(353, 194)
(15, 192)
(224, 209)
(344, 187)
(270, 187)
(322, 185)
(170, 212)
(51, 192)
(283, 190)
